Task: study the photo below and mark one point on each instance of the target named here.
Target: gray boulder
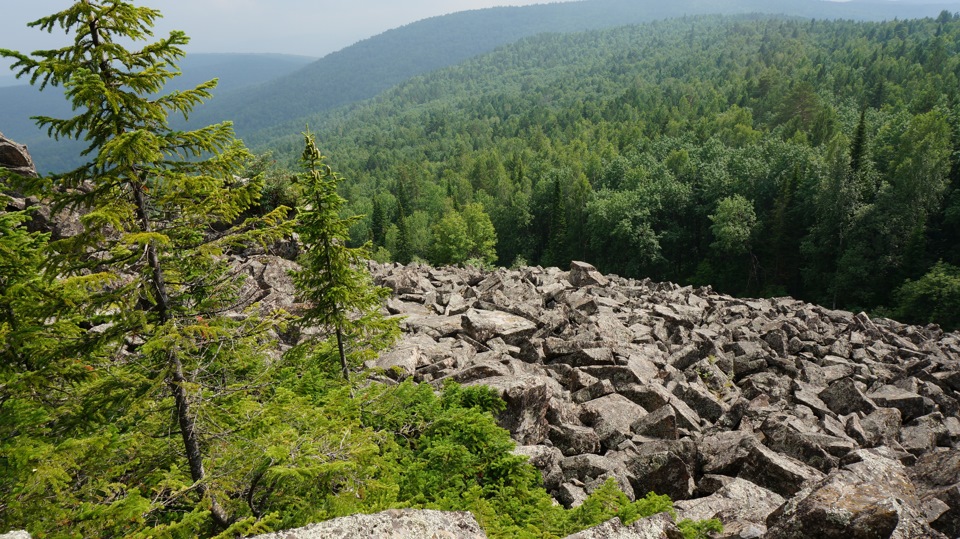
(583, 274)
(872, 497)
(15, 158)
(740, 505)
(393, 524)
(659, 526)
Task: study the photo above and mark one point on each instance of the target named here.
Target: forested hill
(811, 158)
(373, 65)
(20, 101)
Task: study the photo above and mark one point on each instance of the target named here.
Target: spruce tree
(149, 271)
(333, 281)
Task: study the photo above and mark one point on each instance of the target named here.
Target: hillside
(365, 69)
(235, 71)
(761, 156)
(198, 343)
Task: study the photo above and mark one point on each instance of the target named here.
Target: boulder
(528, 399)
(392, 524)
(740, 505)
(611, 417)
(844, 397)
(872, 497)
(725, 452)
(937, 477)
(662, 472)
(781, 474)
(547, 460)
(662, 423)
(910, 404)
(659, 526)
(574, 439)
(583, 274)
(484, 325)
(15, 158)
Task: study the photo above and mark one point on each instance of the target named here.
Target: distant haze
(303, 27)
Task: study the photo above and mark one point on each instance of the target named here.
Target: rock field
(781, 418)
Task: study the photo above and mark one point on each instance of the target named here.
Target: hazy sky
(307, 27)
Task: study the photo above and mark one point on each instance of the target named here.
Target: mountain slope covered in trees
(763, 156)
(365, 69)
(371, 66)
(20, 102)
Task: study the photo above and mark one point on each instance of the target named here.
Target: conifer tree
(556, 253)
(161, 209)
(333, 281)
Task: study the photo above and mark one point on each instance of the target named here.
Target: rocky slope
(781, 418)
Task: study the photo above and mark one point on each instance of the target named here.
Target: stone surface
(742, 506)
(659, 526)
(16, 534)
(15, 158)
(870, 498)
(393, 524)
(484, 325)
(729, 405)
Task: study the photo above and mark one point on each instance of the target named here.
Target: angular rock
(547, 460)
(527, 401)
(881, 427)
(725, 452)
(869, 498)
(700, 400)
(392, 524)
(484, 325)
(662, 472)
(844, 397)
(611, 417)
(574, 440)
(662, 423)
(583, 274)
(15, 158)
(659, 526)
(910, 404)
(740, 505)
(924, 434)
(781, 474)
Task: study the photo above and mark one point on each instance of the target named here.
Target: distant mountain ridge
(371, 66)
(365, 69)
(234, 72)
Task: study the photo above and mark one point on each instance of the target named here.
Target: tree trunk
(188, 428)
(188, 431)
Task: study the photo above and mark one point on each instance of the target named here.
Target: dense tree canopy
(641, 148)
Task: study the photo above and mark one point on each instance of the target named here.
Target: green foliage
(466, 235)
(824, 151)
(131, 381)
(935, 297)
(734, 224)
(333, 281)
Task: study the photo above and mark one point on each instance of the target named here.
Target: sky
(304, 27)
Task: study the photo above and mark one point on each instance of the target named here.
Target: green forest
(140, 397)
(758, 155)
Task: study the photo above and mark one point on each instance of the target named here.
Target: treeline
(761, 156)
